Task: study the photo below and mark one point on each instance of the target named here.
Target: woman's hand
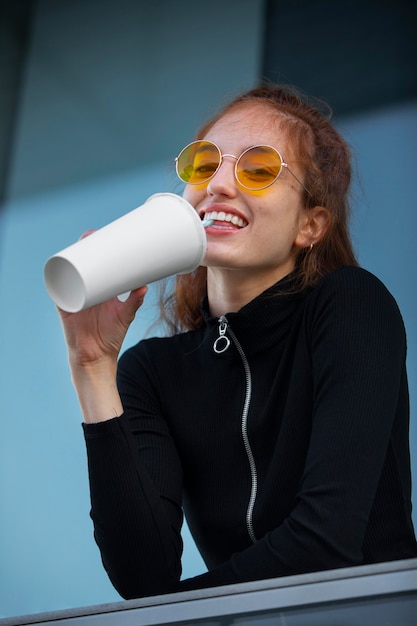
(94, 338)
(97, 333)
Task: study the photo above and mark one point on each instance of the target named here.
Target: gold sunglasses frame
(237, 159)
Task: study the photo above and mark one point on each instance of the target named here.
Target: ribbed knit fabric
(327, 426)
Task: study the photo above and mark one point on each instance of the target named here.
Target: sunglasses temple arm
(298, 180)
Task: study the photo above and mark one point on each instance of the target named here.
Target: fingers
(137, 296)
(141, 291)
(86, 234)
(134, 302)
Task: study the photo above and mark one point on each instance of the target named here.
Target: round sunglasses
(256, 168)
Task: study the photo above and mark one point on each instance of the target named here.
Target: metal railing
(367, 595)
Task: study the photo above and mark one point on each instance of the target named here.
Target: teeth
(221, 216)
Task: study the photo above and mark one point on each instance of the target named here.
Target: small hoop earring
(311, 247)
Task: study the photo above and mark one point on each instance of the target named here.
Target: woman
(276, 416)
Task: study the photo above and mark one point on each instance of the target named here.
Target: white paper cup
(162, 237)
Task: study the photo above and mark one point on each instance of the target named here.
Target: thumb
(135, 299)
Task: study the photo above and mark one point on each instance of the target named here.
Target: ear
(314, 224)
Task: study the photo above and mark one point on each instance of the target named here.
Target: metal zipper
(221, 344)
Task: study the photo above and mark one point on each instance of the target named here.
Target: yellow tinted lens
(258, 167)
(198, 162)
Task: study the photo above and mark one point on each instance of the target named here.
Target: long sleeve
(136, 525)
(329, 431)
(353, 501)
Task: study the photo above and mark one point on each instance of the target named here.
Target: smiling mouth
(228, 218)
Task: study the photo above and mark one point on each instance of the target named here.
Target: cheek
(278, 224)
(194, 194)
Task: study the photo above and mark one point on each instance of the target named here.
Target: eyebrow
(261, 146)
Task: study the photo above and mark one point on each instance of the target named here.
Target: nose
(224, 181)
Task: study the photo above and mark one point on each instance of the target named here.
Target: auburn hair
(326, 162)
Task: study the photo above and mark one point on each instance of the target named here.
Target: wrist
(96, 387)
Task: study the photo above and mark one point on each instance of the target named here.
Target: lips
(228, 219)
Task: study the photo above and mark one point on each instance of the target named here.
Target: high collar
(266, 319)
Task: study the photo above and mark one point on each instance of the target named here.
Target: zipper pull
(222, 342)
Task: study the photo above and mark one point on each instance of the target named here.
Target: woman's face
(266, 224)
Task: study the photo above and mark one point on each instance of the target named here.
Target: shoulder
(351, 277)
(352, 281)
(352, 295)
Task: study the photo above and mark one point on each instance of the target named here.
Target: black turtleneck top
(287, 449)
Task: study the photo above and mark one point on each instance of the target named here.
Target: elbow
(134, 585)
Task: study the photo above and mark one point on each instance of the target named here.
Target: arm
(94, 338)
(137, 520)
(357, 350)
